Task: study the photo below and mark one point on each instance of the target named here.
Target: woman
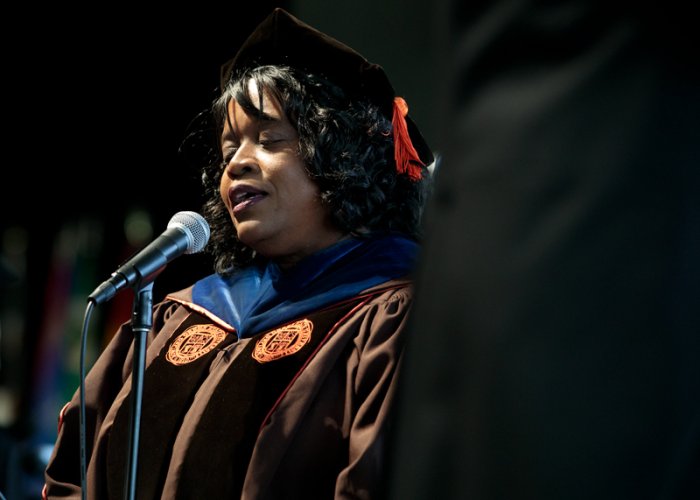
(275, 376)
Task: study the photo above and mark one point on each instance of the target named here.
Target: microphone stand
(141, 322)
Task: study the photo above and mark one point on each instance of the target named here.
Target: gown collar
(262, 295)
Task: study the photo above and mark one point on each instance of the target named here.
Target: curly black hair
(347, 146)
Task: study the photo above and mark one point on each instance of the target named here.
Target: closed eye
(269, 143)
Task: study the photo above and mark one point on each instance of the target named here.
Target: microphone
(187, 232)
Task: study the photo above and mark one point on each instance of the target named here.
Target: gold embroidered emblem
(283, 341)
(194, 343)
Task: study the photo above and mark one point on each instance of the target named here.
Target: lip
(243, 196)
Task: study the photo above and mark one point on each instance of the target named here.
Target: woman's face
(274, 205)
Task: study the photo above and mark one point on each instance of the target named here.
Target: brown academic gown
(298, 411)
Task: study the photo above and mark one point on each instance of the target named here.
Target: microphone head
(195, 227)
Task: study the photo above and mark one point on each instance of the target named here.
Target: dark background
(555, 351)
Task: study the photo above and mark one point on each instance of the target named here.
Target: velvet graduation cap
(282, 39)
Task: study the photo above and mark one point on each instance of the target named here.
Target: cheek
(298, 181)
(303, 191)
(223, 190)
(309, 204)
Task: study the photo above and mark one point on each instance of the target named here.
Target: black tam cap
(282, 39)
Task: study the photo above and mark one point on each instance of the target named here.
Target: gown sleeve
(372, 377)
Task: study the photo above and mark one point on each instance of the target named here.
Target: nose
(243, 161)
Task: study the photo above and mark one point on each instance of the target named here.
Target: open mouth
(244, 197)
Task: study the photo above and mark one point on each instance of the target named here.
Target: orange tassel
(406, 157)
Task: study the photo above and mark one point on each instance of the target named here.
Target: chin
(251, 236)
